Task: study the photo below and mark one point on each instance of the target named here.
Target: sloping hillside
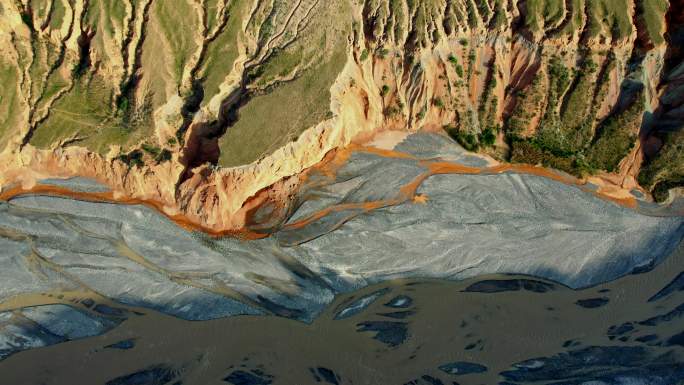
(198, 105)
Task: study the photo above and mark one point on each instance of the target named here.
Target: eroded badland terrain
(208, 108)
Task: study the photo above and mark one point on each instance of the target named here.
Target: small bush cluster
(457, 67)
(132, 159)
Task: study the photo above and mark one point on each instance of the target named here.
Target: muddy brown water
(494, 321)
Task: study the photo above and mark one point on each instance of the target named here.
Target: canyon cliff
(210, 108)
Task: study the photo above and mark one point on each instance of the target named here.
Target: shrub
(466, 139)
(163, 156)
(527, 151)
(438, 102)
(559, 74)
(133, 158)
(123, 104)
(459, 70)
(589, 66)
(615, 137)
(78, 70)
(457, 67)
(392, 111)
(254, 73)
(421, 113)
(487, 137)
(152, 150)
(382, 52)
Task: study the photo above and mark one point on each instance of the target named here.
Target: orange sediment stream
(409, 192)
(452, 168)
(108, 197)
(328, 167)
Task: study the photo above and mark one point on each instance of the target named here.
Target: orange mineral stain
(328, 169)
(109, 197)
(421, 198)
(408, 192)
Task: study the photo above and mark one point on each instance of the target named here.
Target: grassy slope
(177, 23)
(85, 112)
(609, 18)
(543, 12)
(653, 15)
(269, 121)
(272, 119)
(667, 169)
(222, 52)
(9, 102)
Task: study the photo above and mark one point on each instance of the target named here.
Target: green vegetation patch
(653, 13)
(271, 120)
(616, 136)
(398, 18)
(107, 15)
(609, 18)
(556, 133)
(10, 108)
(179, 25)
(543, 12)
(533, 152)
(222, 52)
(278, 107)
(85, 116)
(666, 169)
(211, 9)
(424, 13)
(471, 141)
(488, 101)
(285, 62)
(579, 100)
(58, 13)
(472, 13)
(575, 22)
(565, 137)
(526, 107)
(467, 140)
(458, 68)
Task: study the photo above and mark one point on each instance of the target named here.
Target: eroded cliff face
(211, 108)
